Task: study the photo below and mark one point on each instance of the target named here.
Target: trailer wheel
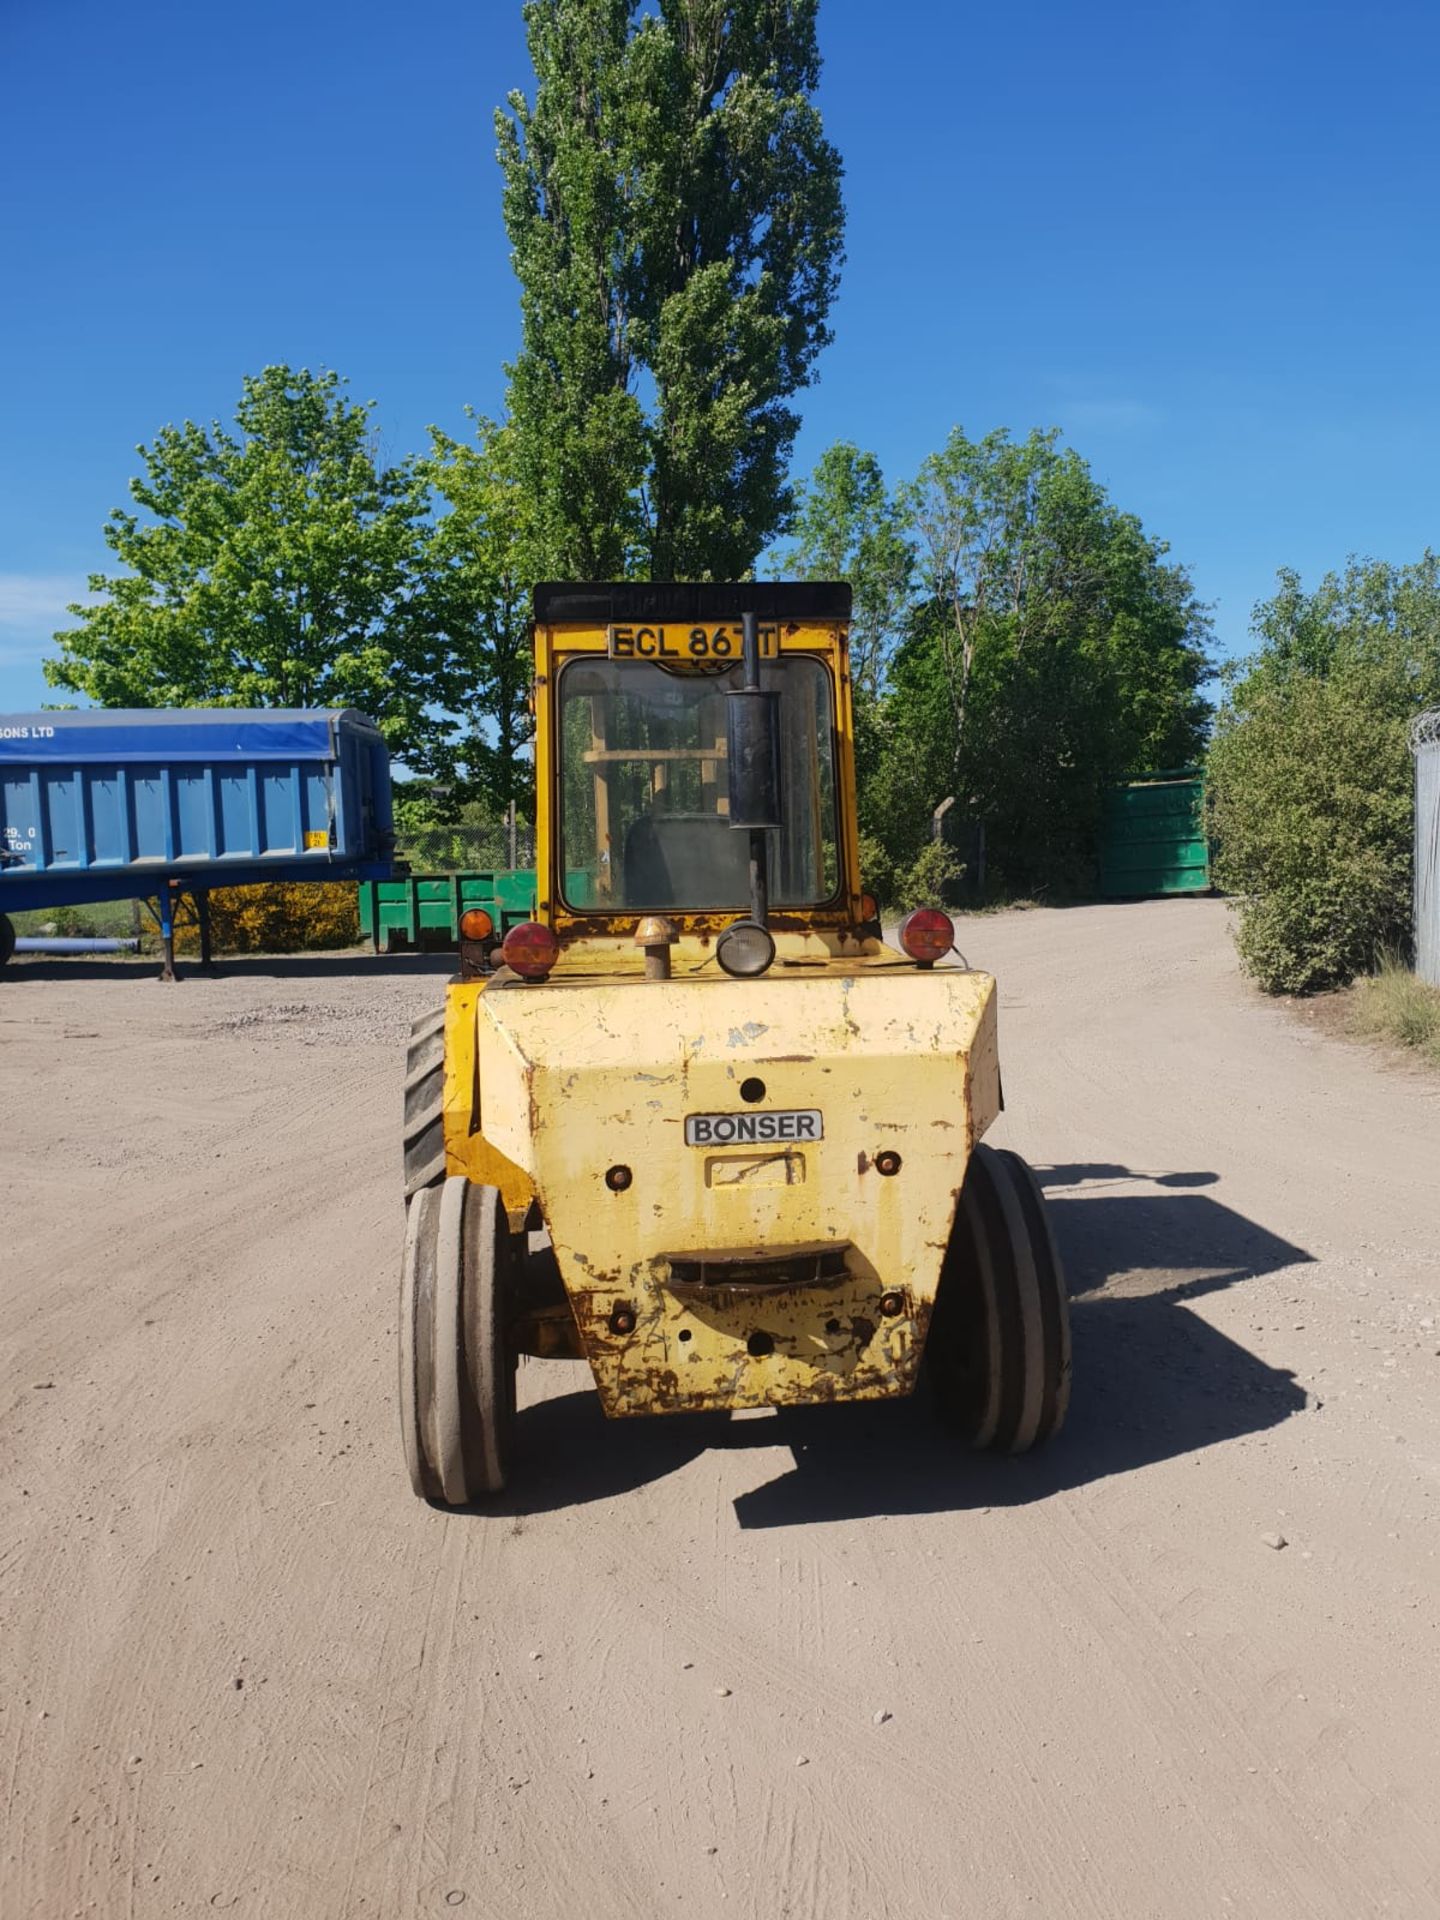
(998, 1352)
(424, 1103)
(457, 1370)
(7, 937)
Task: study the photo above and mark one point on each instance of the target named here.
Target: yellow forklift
(696, 1123)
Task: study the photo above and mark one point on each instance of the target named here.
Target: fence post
(1425, 744)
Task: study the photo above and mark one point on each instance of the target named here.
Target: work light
(745, 949)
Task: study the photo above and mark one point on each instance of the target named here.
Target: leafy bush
(75, 923)
(1309, 815)
(1309, 777)
(877, 870)
(930, 879)
(278, 918)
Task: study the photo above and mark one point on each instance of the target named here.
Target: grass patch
(1396, 1005)
(109, 919)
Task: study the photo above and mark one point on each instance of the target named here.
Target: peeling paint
(547, 1086)
(748, 1034)
(562, 1103)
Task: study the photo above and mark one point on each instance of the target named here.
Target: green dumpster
(1153, 837)
(424, 909)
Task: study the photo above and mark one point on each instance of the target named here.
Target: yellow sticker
(316, 837)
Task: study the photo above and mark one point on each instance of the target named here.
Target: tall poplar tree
(675, 215)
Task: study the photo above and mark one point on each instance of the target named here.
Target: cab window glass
(644, 795)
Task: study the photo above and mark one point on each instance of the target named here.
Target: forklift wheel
(998, 1352)
(457, 1376)
(424, 1094)
(7, 937)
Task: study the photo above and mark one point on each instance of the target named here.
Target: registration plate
(753, 1129)
(685, 643)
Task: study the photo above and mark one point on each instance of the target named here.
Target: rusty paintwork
(840, 924)
(552, 1086)
(547, 1333)
(600, 1073)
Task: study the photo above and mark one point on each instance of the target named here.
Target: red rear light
(476, 924)
(927, 935)
(530, 950)
(869, 908)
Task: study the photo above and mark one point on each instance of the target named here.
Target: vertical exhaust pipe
(753, 750)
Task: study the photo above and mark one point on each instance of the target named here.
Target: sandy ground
(810, 1665)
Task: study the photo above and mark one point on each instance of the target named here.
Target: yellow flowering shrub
(279, 917)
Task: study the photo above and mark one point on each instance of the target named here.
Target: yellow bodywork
(825, 643)
(748, 1275)
(550, 1087)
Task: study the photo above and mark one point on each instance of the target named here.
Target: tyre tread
(423, 1138)
(999, 1347)
(457, 1372)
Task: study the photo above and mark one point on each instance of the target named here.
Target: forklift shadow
(1153, 1381)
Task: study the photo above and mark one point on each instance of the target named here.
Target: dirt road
(811, 1665)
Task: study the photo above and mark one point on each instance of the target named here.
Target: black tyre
(424, 1103)
(457, 1372)
(998, 1351)
(7, 937)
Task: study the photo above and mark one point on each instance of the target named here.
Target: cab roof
(611, 602)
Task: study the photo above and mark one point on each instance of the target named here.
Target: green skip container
(424, 909)
(1153, 838)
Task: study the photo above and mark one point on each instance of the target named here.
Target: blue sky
(1200, 239)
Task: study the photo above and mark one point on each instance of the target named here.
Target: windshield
(644, 798)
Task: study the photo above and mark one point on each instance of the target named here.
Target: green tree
(478, 568)
(848, 527)
(1309, 778)
(675, 217)
(580, 429)
(269, 566)
(1050, 649)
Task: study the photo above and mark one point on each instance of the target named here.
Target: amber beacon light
(927, 935)
(530, 950)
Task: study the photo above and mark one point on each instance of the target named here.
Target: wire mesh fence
(467, 848)
(1425, 740)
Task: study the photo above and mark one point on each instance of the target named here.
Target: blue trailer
(153, 804)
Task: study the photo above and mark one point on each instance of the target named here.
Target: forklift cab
(636, 686)
(645, 788)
